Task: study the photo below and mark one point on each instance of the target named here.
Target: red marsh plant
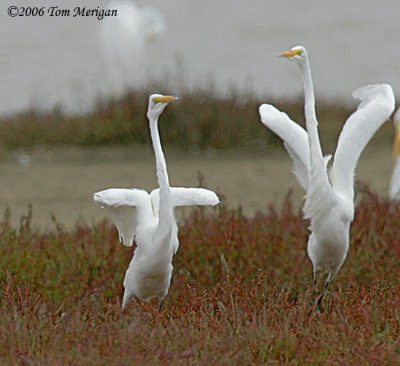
(240, 294)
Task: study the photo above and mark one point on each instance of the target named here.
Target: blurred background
(52, 67)
(60, 60)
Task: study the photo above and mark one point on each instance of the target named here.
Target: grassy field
(198, 121)
(240, 294)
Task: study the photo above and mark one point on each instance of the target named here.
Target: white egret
(123, 41)
(329, 199)
(394, 187)
(149, 220)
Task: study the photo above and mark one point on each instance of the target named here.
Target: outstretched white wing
(181, 196)
(377, 104)
(294, 137)
(128, 208)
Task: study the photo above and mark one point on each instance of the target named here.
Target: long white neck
(309, 99)
(309, 112)
(161, 165)
(317, 177)
(165, 212)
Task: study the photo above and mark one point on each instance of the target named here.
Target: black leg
(314, 288)
(323, 293)
(160, 304)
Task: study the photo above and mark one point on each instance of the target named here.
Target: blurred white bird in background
(123, 41)
(149, 220)
(329, 201)
(394, 187)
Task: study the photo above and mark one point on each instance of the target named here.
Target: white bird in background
(394, 187)
(123, 39)
(149, 219)
(329, 201)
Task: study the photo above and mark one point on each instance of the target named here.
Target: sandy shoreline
(62, 180)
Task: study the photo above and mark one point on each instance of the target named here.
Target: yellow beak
(165, 99)
(396, 143)
(290, 53)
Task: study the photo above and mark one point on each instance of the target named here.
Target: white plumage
(135, 207)
(329, 200)
(149, 220)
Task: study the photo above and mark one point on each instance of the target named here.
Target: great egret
(329, 199)
(394, 187)
(149, 219)
(123, 41)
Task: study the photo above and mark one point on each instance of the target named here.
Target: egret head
(157, 103)
(396, 142)
(297, 54)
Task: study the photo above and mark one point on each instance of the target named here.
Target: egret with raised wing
(329, 199)
(149, 220)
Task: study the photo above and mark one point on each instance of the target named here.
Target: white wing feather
(295, 140)
(377, 104)
(181, 196)
(127, 207)
(298, 168)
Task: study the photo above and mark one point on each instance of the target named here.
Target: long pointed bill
(290, 53)
(165, 99)
(396, 143)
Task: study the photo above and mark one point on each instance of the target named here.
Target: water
(47, 61)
